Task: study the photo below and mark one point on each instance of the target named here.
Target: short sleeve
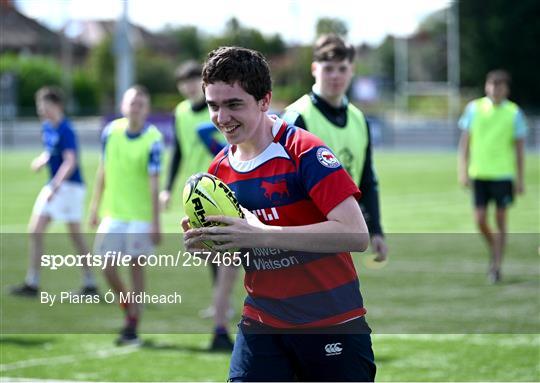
(466, 118)
(325, 180)
(154, 161)
(520, 129)
(68, 140)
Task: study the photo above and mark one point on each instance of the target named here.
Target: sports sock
(132, 321)
(88, 279)
(32, 278)
(220, 330)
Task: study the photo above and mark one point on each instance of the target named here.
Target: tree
(501, 34)
(102, 67)
(188, 42)
(236, 34)
(326, 25)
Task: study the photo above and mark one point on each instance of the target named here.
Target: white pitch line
(94, 354)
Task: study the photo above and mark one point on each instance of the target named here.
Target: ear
(314, 67)
(264, 102)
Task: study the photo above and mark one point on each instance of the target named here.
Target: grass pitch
(434, 316)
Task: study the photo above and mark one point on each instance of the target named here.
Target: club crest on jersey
(271, 188)
(327, 158)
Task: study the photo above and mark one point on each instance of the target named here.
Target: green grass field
(435, 317)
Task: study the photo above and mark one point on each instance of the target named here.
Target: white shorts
(65, 206)
(123, 238)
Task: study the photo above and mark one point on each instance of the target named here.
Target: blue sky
(295, 20)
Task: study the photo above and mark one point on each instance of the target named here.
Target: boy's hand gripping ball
(204, 195)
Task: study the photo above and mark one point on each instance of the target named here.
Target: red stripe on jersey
(321, 275)
(298, 213)
(302, 141)
(333, 190)
(280, 132)
(269, 320)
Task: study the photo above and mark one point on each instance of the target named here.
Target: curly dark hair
(235, 64)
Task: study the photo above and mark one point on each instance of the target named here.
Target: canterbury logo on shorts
(333, 349)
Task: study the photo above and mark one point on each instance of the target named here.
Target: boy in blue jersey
(303, 318)
(62, 198)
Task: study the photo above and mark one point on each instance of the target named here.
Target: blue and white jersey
(56, 140)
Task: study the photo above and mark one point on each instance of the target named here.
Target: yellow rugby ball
(204, 195)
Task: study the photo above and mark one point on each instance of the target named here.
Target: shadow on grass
(25, 341)
(163, 346)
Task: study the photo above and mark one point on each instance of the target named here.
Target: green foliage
(501, 34)
(326, 25)
(386, 55)
(292, 76)
(188, 42)
(102, 69)
(154, 72)
(236, 34)
(85, 92)
(32, 73)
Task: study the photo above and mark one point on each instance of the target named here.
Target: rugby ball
(204, 195)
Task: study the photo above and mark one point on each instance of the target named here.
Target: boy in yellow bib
(491, 159)
(127, 188)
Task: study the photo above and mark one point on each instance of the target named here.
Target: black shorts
(502, 192)
(344, 354)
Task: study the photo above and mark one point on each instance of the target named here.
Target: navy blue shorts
(502, 192)
(339, 353)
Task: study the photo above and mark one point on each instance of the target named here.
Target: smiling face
(236, 113)
(332, 77)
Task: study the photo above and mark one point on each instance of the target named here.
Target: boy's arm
(40, 161)
(369, 202)
(154, 170)
(520, 161)
(165, 195)
(154, 190)
(97, 195)
(463, 159)
(345, 230)
(69, 163)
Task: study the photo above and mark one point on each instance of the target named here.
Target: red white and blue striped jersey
(295, 181)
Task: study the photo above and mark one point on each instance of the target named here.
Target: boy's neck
(250, 149)
(496, 101)
(56, 120)
(135, 126)
(336, 102)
